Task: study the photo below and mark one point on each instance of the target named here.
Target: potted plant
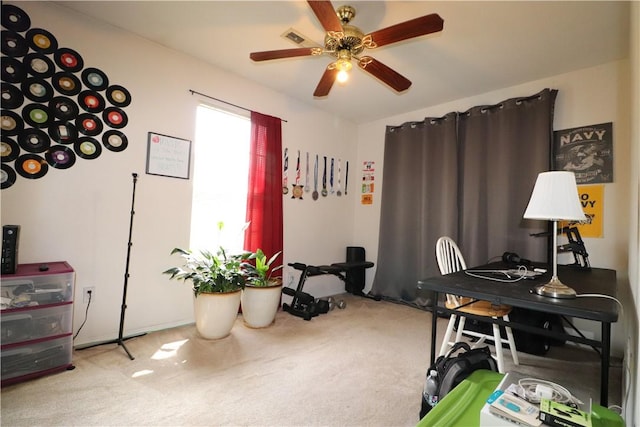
(217, 281)
(262, 292)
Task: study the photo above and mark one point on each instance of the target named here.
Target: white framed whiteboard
(168, 156)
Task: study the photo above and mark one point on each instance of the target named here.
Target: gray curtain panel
(420, 185)
(465, 175)
(503, 148)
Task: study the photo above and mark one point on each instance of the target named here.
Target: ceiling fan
(346, 42)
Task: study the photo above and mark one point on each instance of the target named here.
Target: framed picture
(168, 156)
(587, 151)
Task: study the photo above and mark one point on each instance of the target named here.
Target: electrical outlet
(85, 294)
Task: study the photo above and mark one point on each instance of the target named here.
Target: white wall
(82, 214)
(632, 379)
(589, 96)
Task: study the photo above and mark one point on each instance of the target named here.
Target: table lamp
(555, 198)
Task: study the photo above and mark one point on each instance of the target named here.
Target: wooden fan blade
(326, 82)
(326, 14)
(388, 76)
(405, 30)
(282, 53)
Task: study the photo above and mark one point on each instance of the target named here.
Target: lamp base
(555, 289)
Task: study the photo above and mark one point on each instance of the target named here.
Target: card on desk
(514, 409)
(558, 414)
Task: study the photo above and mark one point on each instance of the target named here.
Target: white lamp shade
(555, 197)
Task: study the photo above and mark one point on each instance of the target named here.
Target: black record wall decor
(55, 111)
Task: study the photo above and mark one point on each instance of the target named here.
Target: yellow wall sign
(592, 200)
(366, 199)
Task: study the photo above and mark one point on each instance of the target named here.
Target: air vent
(298, 38)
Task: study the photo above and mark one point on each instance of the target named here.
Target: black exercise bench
(305, 305)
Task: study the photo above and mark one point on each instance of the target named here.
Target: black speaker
(356, 276)
(10, 240)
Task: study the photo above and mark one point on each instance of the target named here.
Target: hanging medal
(314, 195)
(307, 186)
(285, 168)
(324, 178)
(339, 192)
(346, 178)
(297, 188)
(331, 190)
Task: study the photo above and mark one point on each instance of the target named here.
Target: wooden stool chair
(450, 260)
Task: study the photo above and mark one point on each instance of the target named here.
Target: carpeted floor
(361, 366)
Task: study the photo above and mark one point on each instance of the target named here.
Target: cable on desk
(521, 274)
(534, 389)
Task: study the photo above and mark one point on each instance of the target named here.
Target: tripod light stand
(120, 340)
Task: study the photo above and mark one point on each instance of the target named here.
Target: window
(221, 168)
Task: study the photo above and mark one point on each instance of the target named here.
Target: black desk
(518, 294)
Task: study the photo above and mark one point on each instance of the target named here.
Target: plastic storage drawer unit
(32, 285)
(40, 358)
(36, 321)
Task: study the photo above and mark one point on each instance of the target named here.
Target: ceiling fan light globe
(342, 76)
(343, 65)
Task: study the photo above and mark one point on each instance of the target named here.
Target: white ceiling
(484, 45)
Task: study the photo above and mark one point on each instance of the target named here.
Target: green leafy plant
(210, 273)
(260, 270)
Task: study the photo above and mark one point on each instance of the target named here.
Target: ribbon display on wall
(328, 175)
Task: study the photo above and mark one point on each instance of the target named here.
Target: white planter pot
(216, 313)
(260, 305)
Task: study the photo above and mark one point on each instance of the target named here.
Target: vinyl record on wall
(37, 89)
(12, 97)
(37, 115)
(63, 132)
(118, 96)
(114, 140)
(60, 157)
(14, 18)
(88, 124)
(95, 79)
(115, 117)
(91, 101)
(7, 176)
(68, 59)
(87, 148)
(66, 83)
(11, 123)
(9, 149)
(34, 140)
(13, 44)
(64, 108)
(12, 70)
(39, 65)
(53, 109)
(31, 166)
(41, 40)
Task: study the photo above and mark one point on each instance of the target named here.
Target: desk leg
(604, 366)
(434, 328)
